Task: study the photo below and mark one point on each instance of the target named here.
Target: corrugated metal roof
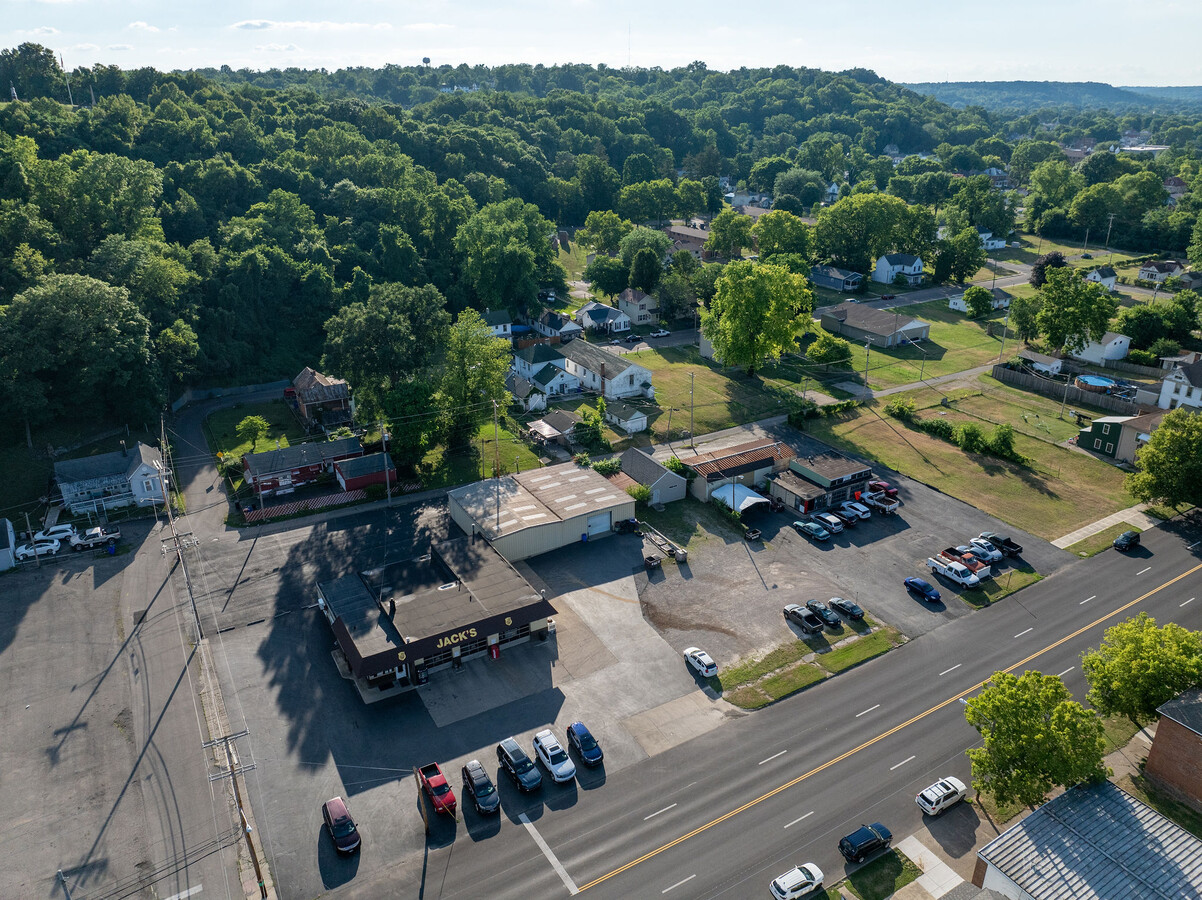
(1096, 842)
(735, 459)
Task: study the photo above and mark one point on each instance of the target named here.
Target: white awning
(738, 497)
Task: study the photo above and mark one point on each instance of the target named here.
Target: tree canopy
(1169, 466)
(756, 314)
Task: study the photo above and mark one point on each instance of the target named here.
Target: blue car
(585, 744)
(923, 589)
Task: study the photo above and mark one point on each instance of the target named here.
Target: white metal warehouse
(540, 510)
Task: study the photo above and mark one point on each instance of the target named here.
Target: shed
(1047, 365)
(629, 418)
(360, 471)
(664, 484)
(879, 327)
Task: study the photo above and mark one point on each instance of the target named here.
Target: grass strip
(858, 651)
(1002, 585)
(792, 680)
(883, 877)
(1096, 543)
(756, 668)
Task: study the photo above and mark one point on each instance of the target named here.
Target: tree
(805, 185)
(1138, 667)
(1074, 311)
(730, 232)
(855, 232)
(675, 295)
(607, 274)
(638, 238)
(1024, 315)
(705, 281)
(828, 350)
(1169, 466)
(507, 255)
(756, 314)
(1039, 268)
(781, 232)
(646, 270)
(1036, 737)
(177, 348)
(412, 419)
(978, 300)
(1144, 324)
(960, 256)
(473, 377)
(253, 429)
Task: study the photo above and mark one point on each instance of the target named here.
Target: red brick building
(1175, 759)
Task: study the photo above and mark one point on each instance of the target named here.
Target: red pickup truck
(437, 788)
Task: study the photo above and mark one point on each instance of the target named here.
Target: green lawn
(1096, 543)
(1002, 585)
(691, 523)
(791, 680)
(861, 650)
(222, 428)
(447, 468)
(883, 877)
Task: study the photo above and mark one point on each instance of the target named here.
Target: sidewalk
(864, 393)
(1133, 515)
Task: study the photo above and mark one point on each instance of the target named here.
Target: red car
(882, 487)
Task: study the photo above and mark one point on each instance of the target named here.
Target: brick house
(1175, 759)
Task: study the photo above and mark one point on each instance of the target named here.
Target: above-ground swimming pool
(1099, 384)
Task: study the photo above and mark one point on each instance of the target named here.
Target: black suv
(483, 792)
(521, 768)
(865, 840)
(1128, 540)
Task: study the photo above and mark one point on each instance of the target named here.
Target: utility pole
(1109, 225)
(1005, 322)
(691, 444)
(37, 560)
(235, 769)
(867, 355)
(1063, 400)
(387, 473)
(178, 541)
(1086, 244)
(496, 441)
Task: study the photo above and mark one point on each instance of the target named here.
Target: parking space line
(1141, 571)
(1021, 633)
(952, 669)
(184, 895)
(870, 709)
(1190, 600)
(806, 816)
(772, 757)
(551, 857)
(657, 812)
(1087, 599)
(679, 883)
(1066, 671)
(900, 764)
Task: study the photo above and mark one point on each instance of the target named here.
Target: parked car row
(49, 541)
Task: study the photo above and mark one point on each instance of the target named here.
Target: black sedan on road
(849, 609)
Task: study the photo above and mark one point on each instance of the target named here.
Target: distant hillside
(1028, 95)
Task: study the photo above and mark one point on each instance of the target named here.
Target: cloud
(253, 24)
(263, 24)
(119, 47)
(277, 48)
(85, 48)
(140, 26)
(42, 31)
(428, 26)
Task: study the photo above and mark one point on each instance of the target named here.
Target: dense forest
(224, 227)
(1028, 96)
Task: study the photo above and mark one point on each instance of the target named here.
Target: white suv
(802, 881)
(552, 755)
(944, 793)
(56, 533)
(855, 509)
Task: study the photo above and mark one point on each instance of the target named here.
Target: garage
(599, 524)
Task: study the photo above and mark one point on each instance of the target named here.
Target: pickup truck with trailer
(974, 565)
(95, 537)
(437, 788)
(1002, 542)
(954, 572)
(880, 502)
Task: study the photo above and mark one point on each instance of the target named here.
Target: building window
(1097, 444)
(1110, 448)
(148, 485)
(1105, 429)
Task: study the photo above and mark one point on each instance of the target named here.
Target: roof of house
(1146, 422)
(517, 385)
(496, 317)
(833, 272)
(1170, 265)
(621, 480)
(642, 467)
(314, 387)
(623, 412)
(119, 462)
(595, 359)
(561, 420)
(741, 457)
(538, 353)
(298, 456)
(901, 259)
(556, 322)
(831, 464)
(1104, 272)
(601, 314)
(1192, 373)
(867, 318)
(1096, 842)
(1174, 181)
(547, 374)
(1185, 709)
(370, 464)
(1032, 356)
(795, 484)
(634, 295)
(1111, 336)
(687, 232)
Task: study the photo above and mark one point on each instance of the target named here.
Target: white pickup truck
(880, 502)
(954, 572)
(95, 537)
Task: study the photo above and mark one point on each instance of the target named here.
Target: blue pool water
(1096, 380)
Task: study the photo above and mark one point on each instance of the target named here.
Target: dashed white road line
(1021, 633)
(900, 764)
(867, 711)
(679, 883)
(1087, 599)
(551, 857)
(1190, 600)
(1066, 671)
(1141, 571)
(806, 816)
(657, 812)
(772, 757)
(952, 669)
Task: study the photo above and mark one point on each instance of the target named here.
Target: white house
(127, 477)
(524, 392)
(612, 375)
(1112, 347)
(989, 242)
(629, 418)
(642, 309)
(552, 324)
(500, 321)
(1182, 387)
(594, 316)
(1046, 365)
(553, 381)
(1103, 275)
(531, 359)
(832, 193)
(1159, 271)
(891, 265)
(999, 300)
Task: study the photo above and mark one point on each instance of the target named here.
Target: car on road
(617, 341)
(941, 796)
(882, 487)
(856, 509)
(865, 840)
(829, 617)
(831, 523)
(56, 533)
(888, 296)
(660, 332)
(986, 550)
(518, 765)
(478, 786)
(633, 338)
(586, 746)
(808, 622)
(701, 661)
(800, 881)
(923, 589)
(38, 548)
(849, 609)
(1002, 542)
(812, 530)
(849, 520)
(552, 755)
(1128, 540)
(340, 826)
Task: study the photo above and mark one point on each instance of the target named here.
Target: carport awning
(738, 497)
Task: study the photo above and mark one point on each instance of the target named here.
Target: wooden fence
(1057, 390)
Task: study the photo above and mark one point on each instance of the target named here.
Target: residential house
(8, 545)
(893, 152)
(1092, 842)
(664, 484)
(1175, 759)
(687, 237)
(1182, 387)
(640, 308)
(836, 279)
(890, 266)
(554, 381)
(820, 480)
(989, 242)
(321, 401)
(284, 469)
(879, 327)
(131, 476)
(629, 418)
(360, 471)
(1175, 187)
(594, 316)
(500, 321)
(529, 397)
(1113, 346)
(745, 464)
(1103, 275)
(612, 375)
(1136, 432)
(553, 325)
(1191, 281)
(998, 299)
(998, 178)
(555, 427)
(1045, 365)
(1102, 435)
(755, 211)
(1160, 271)
(531, 359)
(1184, 358)
(831, 195)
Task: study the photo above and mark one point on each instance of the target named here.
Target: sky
(925, 40)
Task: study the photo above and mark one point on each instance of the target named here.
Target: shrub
(727, 513)
(901, 408)
(1143, 358)
(938, 427)
(674, 464)
(582, 459)
(971, 438)
(837, 409)
(640, 492)
(1164, 347)
(1001, 443)
(611, 466)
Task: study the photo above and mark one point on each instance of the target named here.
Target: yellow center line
(880, 737)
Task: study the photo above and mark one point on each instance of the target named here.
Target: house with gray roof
(524, 392)
(1113, 346)
(640, 308)
(629, 418)
(879, 327)
(530, 359)
(126, 477)
(1103, 275)
(594, 316)
(1176, 754)
(612, 375)
(1182, 387)
(664, 484)
(552, 324)
(1093, 842)
(891, 265)
(500, 321)
(836, 279)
